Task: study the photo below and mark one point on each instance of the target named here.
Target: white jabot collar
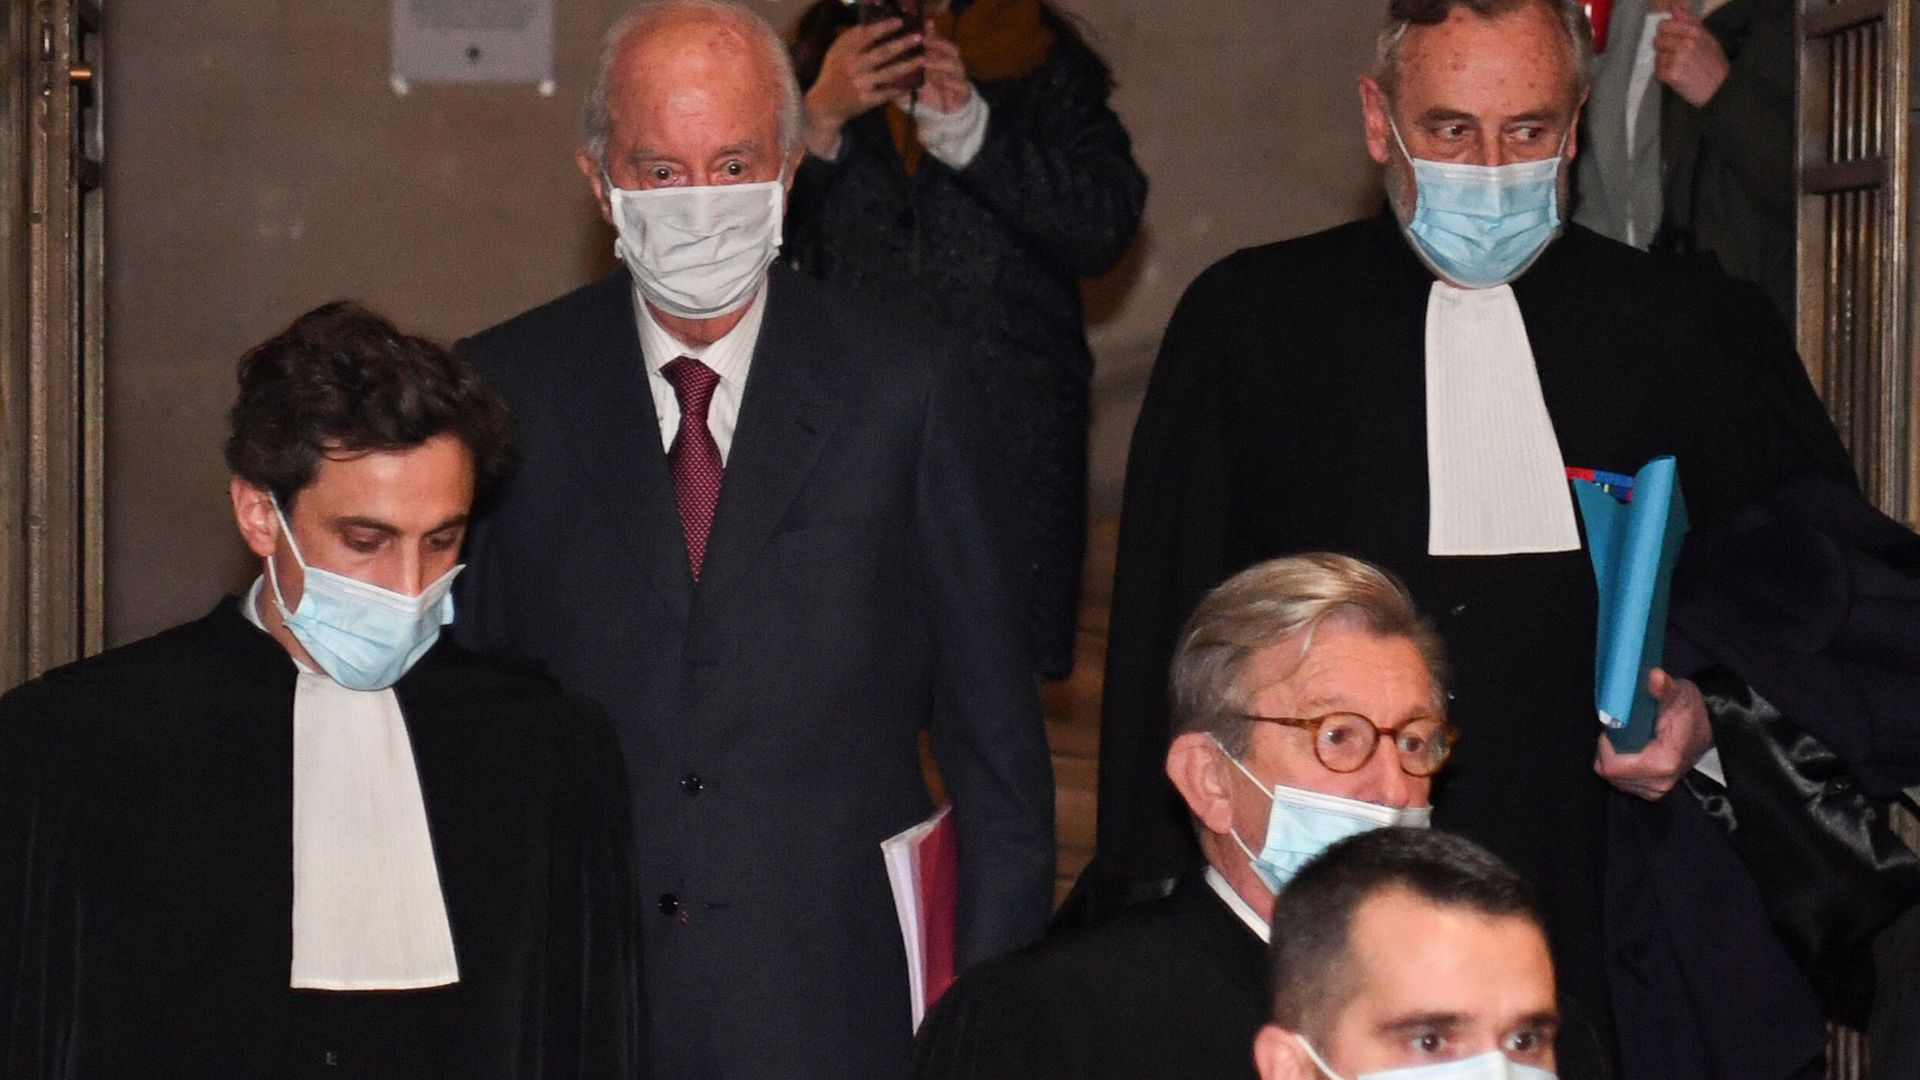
(1496, 483)
(368, 913)
(1238, 905)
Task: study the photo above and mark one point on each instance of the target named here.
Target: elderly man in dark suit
(757, 518)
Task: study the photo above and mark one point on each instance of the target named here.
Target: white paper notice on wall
(473, 41)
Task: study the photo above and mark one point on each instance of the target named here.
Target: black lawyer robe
(146, 884)
(1172, 988)
(1286, 413)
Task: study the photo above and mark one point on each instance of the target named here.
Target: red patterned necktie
(694, 456)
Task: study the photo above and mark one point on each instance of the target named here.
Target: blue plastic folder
(1634, 537)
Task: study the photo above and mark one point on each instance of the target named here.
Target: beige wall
(258, 164)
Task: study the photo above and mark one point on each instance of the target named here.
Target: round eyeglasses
(1345, 741)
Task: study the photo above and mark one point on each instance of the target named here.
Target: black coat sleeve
(987, 735)
(479, 613)
(1778, 403)
(595, 1005)
(1748, 124)
(1058, 168)
(1173, 546)
(990, 1025)
(37, 975)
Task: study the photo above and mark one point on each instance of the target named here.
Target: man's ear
(1198, 770)
(253, 514)
(1373, 113)
(597, 180)
(1277, 1055)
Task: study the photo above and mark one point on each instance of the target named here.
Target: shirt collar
(729, 356)
(250, 607)
(1238, 905)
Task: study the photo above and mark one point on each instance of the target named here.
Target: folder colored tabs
(1634, 535)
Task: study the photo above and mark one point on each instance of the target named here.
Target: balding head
(660, 56)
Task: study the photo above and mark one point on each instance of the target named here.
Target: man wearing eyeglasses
(1308, 706)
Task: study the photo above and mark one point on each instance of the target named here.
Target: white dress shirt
(729, 357)
(1238, 905)
(368, 913)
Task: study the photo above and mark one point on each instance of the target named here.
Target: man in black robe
(1329, 651)
(301, 835)
(1300, 403)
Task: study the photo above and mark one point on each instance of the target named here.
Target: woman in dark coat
(980, 200)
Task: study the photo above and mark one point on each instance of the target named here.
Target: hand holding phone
(910, 14)
(857, 74)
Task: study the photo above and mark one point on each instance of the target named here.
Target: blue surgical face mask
(1304, 823)
(1492, 1065)
(363, 636)
(1482, 225)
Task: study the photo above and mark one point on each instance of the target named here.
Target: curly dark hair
(342, 381)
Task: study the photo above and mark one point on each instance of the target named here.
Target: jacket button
(669, 903)
(692, 784)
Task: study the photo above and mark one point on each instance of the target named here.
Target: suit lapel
(785, 418)
(616, 434)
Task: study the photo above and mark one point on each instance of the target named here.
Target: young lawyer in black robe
(165, 838)
(1176, 987)
(1288, 411)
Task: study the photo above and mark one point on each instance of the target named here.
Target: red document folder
(923, 866)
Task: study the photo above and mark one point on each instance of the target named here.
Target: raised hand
(856, 75)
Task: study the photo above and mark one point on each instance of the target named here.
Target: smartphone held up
(910, 13)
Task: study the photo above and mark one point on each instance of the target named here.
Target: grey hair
(1404, 14)
(1278, 601)
(643, 19)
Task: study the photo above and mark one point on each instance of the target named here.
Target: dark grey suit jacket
(857, 588)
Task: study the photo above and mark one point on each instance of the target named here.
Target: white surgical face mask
(698, 252)
(1303, 823)
(1492, 1065)
(363, 636)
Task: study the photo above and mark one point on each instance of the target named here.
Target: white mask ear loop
(1398, 141)
(273, 575)
(1248, 773)
(1314, 1055)
(1244, 771)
